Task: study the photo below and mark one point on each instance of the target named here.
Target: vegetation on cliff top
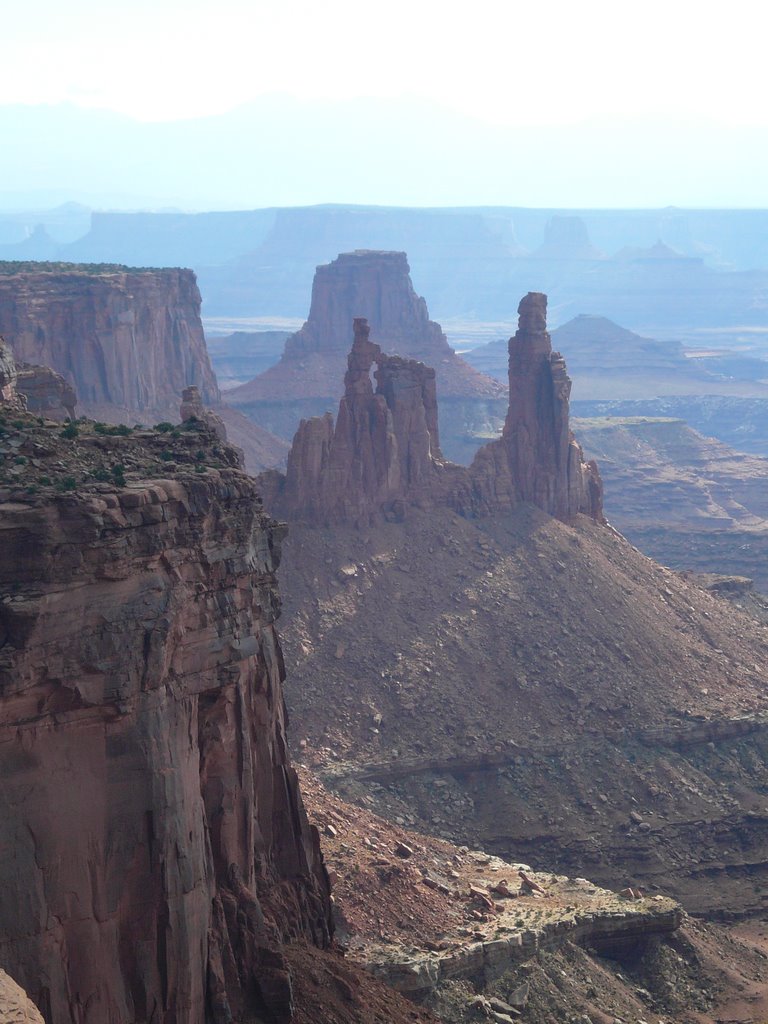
(40, 456)
(10, 267)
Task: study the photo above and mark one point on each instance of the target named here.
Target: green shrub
(164, 428)
(67, 483)
(71, 431)
(121, 430)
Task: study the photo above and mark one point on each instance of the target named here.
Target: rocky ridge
(375, 286)
(383, 454)
(15, 1005)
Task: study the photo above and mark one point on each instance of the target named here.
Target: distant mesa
(566, 238)
(609, 362)
(383, 452)
(660, 251)
(376, 286)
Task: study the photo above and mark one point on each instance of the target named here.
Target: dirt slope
(572, 698)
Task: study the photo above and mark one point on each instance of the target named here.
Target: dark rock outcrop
(376, 286)
(193, 408)
(9, 376)
(161, 853)
(129, 341)
(383, 453)
(38, 389)
(46, 392)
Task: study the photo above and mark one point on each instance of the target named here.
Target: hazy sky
(547, 103)
(543, 62)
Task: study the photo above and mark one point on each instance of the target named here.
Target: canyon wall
(383, 453)
(160, 851)
(129, 341)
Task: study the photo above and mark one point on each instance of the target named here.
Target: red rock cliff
(157, 852)
(383, 453)
(128, 340)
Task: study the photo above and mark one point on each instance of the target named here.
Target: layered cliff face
(383, 453)
(375, 286)
(129, 341)
(161, 854)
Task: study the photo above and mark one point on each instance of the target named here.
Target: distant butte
(383, 453)
(375, 286)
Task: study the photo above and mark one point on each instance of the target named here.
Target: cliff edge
(161, 853)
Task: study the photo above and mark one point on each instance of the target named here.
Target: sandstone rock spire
(545, 461)
(383, 450)
(377, 286)
(383, 453)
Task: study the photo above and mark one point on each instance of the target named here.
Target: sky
(546, 64)
(534, 63)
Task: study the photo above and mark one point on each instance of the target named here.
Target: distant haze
(246, 103)
(283, 151)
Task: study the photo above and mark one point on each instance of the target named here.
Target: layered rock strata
(161, 853)
(383, 453)
(129, 341)
(376, 286)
